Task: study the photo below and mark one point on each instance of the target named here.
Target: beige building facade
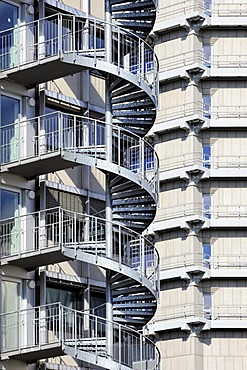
(200, 137)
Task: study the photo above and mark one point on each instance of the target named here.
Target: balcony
(181, 116)
(54, 330)
(183, 266)
(181, 13)
(183, 316)
(57, 235)
(183, 65)
(206, 12)
(61, 45)
(189, 216)
(56, 141)
(223, 166)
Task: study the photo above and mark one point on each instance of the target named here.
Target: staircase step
(131, 5)
(134, 306)
(130, 290)
(147, 15)
(131, 104)
(136, 95)
(136, 297)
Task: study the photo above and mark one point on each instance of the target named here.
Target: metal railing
(190, 310)
(57, 35)
(219, 261)
(229, 112)
(180, 111)
(226, 9)
(42, 231)
(184, 210)
(203, 210)
(185, 260)
(184, 60)
(203, 160)
(182, 8)
(229, 61)
(57, 132)
(179, 311)
(58, 326)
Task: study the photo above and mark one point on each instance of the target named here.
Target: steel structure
(116, 51)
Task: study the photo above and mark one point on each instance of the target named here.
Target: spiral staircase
(119, 149)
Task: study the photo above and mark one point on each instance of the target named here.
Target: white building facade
(78, 185)
(200, 227)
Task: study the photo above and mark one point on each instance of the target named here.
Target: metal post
(108, 143)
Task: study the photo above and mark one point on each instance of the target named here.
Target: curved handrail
(56, 227)
(60, 34)
(57, 131)
(60, 326)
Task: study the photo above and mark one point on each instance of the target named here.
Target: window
(207, 305)
(206, 106)
(206, 205)
(207, 54)
(9, 112)
(206, 247)
(66, 297)
(10, 322)
(206, 150)
(207, 6)
(9, 207)
(8, 40)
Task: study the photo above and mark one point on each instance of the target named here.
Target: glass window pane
(8, 15)
(65, 297)
(10, 109)
(10, 303)
(9, 39)
(9, 202)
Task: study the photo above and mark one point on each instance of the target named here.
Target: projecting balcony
(183, 65)
(202, 12)
(58, 141)
(184, 316)
(184, 266)
(181, 116)
(181, 14)
(198, 116)
(196, 216)
(199, 64)
(56, 235)
(55, 330)
(229, 14)
(204, 166)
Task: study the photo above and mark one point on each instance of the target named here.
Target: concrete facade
(200, 136)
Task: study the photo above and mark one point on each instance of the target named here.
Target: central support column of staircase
(108, 140)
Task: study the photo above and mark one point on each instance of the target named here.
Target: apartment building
(200, 226)
(78, 185)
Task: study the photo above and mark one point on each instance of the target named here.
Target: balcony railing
(55, 325)
(227, 9)
(199, 209)
(59, 34)
(182, 8)
(183, 60)
(57, 132)
(218, 261)
(180, 111)
(201, 160)
(44, 231)
(190, 310)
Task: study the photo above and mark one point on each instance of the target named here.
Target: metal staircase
(61, 141)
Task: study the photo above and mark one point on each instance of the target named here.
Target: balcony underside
(32, 167)
(34, 259)
(45, 70)
(34, 353)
